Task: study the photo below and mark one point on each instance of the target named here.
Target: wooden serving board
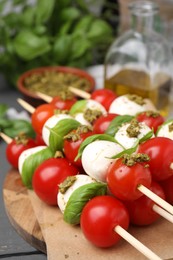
(43, 227)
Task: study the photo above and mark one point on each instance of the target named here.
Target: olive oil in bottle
(140, 60)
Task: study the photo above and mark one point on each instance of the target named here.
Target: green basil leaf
(84, 24)
(146, 137)
(57, 133)
(62, 48)
(31, 163)
(78, 107)
(29, 45)
(3, 109)
(99, 31)
(79, 198)
(17, 126)
(70, 13)
(116, 123)
(28, 16)
(44, 10)
(127, 151)
(91, 139)
(79, 48)
(5, 123)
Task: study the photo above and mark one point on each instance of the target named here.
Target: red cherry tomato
(151, 119)
(104, 97)
(124, 180)
(39, 140)
(167, 186)
(16, 147)
(72, 144)
(49, 175)
(101, 124)
(40, 116)
(63, 104)
(141, 210)
(99, 218)
(160, 151)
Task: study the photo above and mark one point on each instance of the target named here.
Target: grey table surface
(12, 246)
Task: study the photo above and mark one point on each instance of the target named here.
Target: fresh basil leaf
(31, 163)
(84, 24)
(91, 139)
(58, 132)
(79, 198)
(127, 151)
(70, 13)
(44, 10)
(116, 123)
(14, 127)
(99, 31)
(28, 16)
(146, 137)
(4, 123)
(3, 109)
(62, 48)
(79, 48)
(29, 45)
(78, 107)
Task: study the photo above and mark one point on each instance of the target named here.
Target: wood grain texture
(20, 212)
(43, 227)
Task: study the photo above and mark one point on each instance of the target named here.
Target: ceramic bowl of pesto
(51, 81)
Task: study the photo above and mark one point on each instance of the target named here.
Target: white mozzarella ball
(80, 118)
(96, 158)
(164, 130)
(50, 123)
(26, 153)
(125, 140)
(62, 198)
(122, 105)
(94, 105)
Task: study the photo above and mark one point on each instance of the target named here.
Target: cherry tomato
(160, 151)
(63, 104)
(49, 175)
(141, 210)
(104, 97)
(99, 218)
(16, 147)
(152, 119)
(124, 180)
(72, 143)
(167, 186)
(101, 124)
(39, 140)
(40, 115)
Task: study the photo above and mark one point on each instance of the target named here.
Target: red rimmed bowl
(51, 80)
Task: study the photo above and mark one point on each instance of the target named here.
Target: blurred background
(76, 33)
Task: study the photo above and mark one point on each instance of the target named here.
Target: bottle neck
(143, 14)
(142, 24)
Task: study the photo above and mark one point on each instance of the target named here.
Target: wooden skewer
(163, 213)
(136, 243)
(45, 97)
(26, 106)
(6, 138)
(80, 93)
(162, 203)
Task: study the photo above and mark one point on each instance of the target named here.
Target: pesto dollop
(133, 130)
(137, 99)
(132, 159)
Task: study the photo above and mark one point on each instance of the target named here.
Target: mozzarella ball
(122, 105)
(96, 158)
(166, 130)
(125, 140)
(25, 154)
(50, 123)
(62, 198)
